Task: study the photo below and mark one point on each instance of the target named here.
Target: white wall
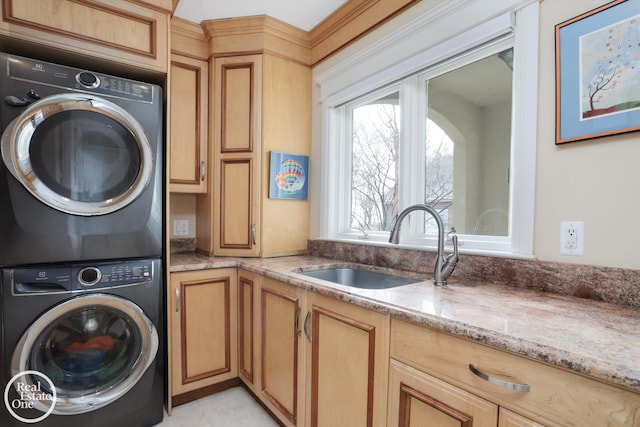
(592, 181)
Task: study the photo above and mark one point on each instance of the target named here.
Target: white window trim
(459, 26)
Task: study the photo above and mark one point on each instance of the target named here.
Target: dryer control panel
(79, 277)
(42, 72)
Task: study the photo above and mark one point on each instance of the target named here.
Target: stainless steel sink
(360, 278)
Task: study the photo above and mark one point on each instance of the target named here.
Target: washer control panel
(77, 277)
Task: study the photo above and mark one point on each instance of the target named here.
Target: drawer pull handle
(498, 381)
(253, 234)
(306, 325)
(296, 320)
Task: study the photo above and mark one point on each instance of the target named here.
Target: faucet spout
(443, 266)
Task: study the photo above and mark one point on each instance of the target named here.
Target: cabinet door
(349, 365)
(237, 142)
(115, 31)
(188, 115)
(248, 284)
(203, 329)
(420, 400)
(282, 364)
(511, 419)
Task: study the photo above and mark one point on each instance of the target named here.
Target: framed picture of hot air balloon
(289, 176)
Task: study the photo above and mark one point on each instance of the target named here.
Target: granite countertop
(594, 338)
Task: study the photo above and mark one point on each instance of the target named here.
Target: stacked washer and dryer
(81, 232)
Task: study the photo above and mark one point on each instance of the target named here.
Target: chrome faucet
(444, 266)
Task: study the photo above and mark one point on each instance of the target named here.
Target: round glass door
(79, 154)
(94, 348)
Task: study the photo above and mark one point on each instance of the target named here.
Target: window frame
(343, 86)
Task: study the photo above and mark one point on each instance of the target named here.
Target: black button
(33, 94)
(87, 79)
(89, 276)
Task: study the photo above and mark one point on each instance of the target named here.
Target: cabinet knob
(203, 170)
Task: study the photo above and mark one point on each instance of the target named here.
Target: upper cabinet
(261, 103)
(131, 33)
(188, 108)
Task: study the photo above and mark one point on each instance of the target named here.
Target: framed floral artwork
(598, 73)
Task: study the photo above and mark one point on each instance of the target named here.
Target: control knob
(89, 276)
(88, 80)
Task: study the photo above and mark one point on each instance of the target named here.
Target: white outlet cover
(181, 227)
(572, 238)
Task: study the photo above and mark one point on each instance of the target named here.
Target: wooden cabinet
(539, 393)
(203, 325)
(348, 364)
(248, 351)
(282, 349)
(320, 362)
(188, 108)
(126, 32)
(417, 399)
(189, 124)
(511, 419)
(261, 103)
(237, 157)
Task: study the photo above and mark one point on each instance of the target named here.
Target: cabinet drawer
(555, 396)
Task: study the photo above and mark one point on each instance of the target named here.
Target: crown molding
(350, 22)
(257, 34)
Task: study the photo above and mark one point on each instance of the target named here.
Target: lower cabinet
(319, 361)
(455, 377)
(348, 364)
(203, 325)
(418, 399)
(511, 419)
(316, 361)
(282, 350)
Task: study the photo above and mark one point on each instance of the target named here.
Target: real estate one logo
(29, 395)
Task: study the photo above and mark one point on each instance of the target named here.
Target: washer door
(79, 154)
(94, 348)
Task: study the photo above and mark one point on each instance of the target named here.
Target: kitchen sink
(360, 278)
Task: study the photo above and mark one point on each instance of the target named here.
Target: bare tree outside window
(374, 184)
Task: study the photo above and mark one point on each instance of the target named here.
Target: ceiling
(304, 14)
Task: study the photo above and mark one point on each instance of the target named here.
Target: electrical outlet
(181, 227)
(572, 237)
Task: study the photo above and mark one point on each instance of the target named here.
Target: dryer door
(79, 154)
(94, 348)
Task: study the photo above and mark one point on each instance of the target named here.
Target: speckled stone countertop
(595, 338)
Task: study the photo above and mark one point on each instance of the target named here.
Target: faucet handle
(452, 260)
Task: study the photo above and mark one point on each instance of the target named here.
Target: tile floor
(231, 408)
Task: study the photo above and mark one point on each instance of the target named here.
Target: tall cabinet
(261, 103)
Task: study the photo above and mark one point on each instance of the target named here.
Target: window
(374, 169)
(450, 126)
